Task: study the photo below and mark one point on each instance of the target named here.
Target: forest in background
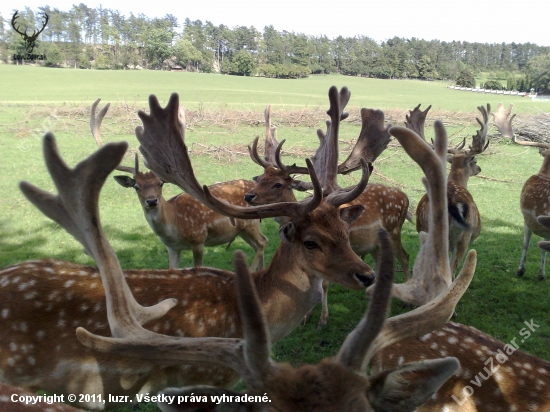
(102, 38)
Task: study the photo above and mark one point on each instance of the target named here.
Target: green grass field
(32, 99)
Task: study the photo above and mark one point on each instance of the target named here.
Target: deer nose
(152, 202)
(249, 197)
(366, 280)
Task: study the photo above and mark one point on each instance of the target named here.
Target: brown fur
(520, 384)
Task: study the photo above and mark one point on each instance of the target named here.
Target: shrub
(466, 79)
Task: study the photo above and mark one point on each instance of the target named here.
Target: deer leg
(526, 239)
(173, 258)
(542, 262)
(257, 241)
(402, 255)
(324, 312)
(198, 252)
(460, 251)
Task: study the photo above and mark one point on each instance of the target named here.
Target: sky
(464, 20)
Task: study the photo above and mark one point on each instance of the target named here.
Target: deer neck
(287, 292)
(159, 217)
(545, 168)
(459, 175)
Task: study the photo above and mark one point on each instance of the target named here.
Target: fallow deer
(493, 375)
(182, 222)
(534, 199)
(464, 216)
(385, 207)
(43, 301)
(340, 383)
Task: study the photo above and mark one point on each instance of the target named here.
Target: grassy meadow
(33, 100)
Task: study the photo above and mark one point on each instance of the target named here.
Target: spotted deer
(535, 194)
(493, 375)
(182, 222)
(44, 301)
(340, 383)
(385, 207)
(464, 216)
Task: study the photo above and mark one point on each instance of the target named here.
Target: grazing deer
(464, 217)
(44, 301)
(534, 199)
(385, 207)
(182, 222)
(493, 376)
(340, 383)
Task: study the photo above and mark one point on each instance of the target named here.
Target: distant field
(37, 85)
(32, 99)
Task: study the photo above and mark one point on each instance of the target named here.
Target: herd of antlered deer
(189, 335)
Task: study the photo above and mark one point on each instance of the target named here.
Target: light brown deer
(44, 301)
(334, 384)
(464, 216)
(385, 207)
(182, 222)
(493, 375)
(535, 195)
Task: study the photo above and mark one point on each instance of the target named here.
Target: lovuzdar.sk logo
(29, 39)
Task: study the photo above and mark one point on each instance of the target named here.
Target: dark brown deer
(465, 219)
(44, 301)
(534, 199)
(340, 383)
(385, 207)
(182, 222)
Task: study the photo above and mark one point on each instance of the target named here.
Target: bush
(493, 85)
(466, 79)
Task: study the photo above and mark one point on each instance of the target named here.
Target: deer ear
(409, 386)
(287, 232)
(207, 399)
(351, 213)
(125, 181)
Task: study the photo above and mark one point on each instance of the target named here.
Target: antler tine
(502, 122)
(355, 347)
(76, 209)
(373, 140)
(540, 145)
(270, 140)
(479, 140)
(415, 120)
(255, 156)
(95, 127)
(292, 169)
(344, 196)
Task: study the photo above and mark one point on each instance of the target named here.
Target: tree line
(102, 38)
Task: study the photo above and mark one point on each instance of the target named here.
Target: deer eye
(309, 244)
(137, 188)
(277, 186)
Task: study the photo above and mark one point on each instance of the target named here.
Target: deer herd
(189, 335)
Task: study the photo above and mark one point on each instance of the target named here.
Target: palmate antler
(503, 120)
(479, 140)
(416, 119)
